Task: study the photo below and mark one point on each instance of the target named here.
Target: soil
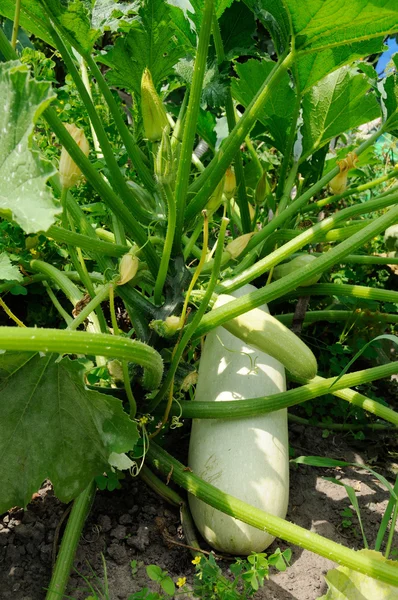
(129, 524)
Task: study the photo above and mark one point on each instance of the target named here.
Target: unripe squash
(247, 458)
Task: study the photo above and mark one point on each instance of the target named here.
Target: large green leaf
(335, 32)
(151, 44)
(52, 427)
(347, 584)
(277, 112)
(327, 33)
(24, 195)
(340, 101)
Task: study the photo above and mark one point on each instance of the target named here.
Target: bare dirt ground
(129, 524)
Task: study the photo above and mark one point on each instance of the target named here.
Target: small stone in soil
(119, 532)
(117, 553)
(125, 520)
(141, 540)
(104, 523)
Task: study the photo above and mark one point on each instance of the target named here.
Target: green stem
(352, 191)
(342, 289)
(70, 541)
(276, 526)
(15, 26)
(239, 409)
(171, 496)
(333, 316)
(103, 189)
(340, 426)
(66, 316)
(82, 342)
(64, 195)
(366, 259)
(70, 290)
(131, 145)
(196, 319)
(72, 275)
(100, 296)
(139, 308)
(184, 165)
(168, 243)
(90, 244)
(254, 156)
(160, 488)
(231, 119)
(190, 242)
(288, 189)
(125, 366)
(282, 190)
(386, 518)
(309, 236)
(392, 530)
(207, 182)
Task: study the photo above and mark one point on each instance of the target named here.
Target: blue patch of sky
(386, 56)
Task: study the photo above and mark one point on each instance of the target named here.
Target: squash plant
(171, 208)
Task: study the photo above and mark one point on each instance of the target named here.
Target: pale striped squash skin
(247, 458)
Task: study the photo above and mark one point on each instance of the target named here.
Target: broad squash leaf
(327, 33)
(339, 102)
(24, 195)
(347, 584)
(53, 427)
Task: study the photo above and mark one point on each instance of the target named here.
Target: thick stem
(70, 542)
(343, 289)
(90, 244)
(239, 409)
(340, 426)
(184, 165)
(333, 316)
(70, 290)
(15, 25)
(276, 526)
(82, 342)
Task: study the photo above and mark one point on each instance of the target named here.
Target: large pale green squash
(247, 458)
